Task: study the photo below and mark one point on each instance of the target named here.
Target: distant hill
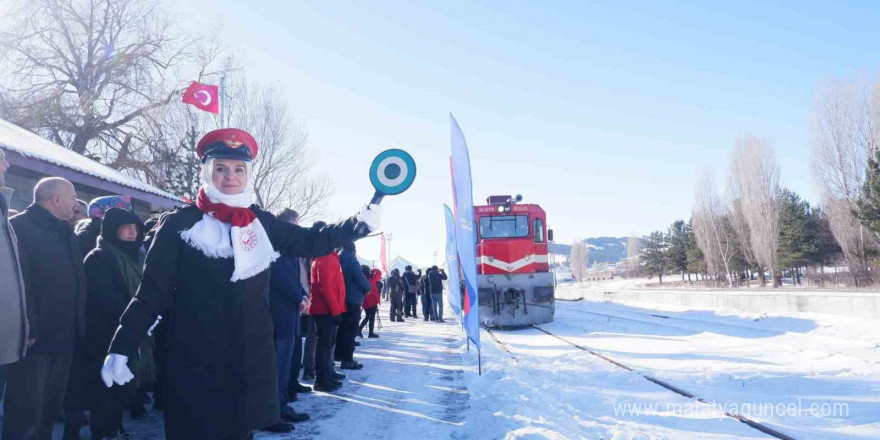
(606, 249)
(601, 249)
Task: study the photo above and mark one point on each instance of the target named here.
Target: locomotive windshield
(507, 226)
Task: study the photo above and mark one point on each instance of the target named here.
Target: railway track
(745, 420)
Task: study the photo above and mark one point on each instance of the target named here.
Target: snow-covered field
(810, 376)
(806, 375)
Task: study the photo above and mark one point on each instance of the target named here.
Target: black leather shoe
(373, 335)
(281, 427)
(289, 415)
(327, 387)
(300, 388)
(351, 365)
(337, 376)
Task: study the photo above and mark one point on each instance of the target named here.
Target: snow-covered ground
(810, 376)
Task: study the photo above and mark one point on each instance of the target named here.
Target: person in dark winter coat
(79, 213)
(396, 289)
(286, 303)
(14, 324)
(209, 265)
(371, 302)
(113, 272)
(435, 286)
(326, 309)
(425, 296)
(411, 281)
(55, 286)
(88, 230)
(356, 287)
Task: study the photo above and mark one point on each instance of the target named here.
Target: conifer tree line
(755, 229)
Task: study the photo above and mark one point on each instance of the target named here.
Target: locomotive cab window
(538, 227)
(506, 226)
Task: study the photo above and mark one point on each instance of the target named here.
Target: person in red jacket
(328, 304)
(371, 303)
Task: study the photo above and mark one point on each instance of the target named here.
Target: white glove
(153, 327)
(116, 370)
(371, 216)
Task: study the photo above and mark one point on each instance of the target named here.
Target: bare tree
(281, 170)
(754, 181)
(88, 74)
(712, 229)
(845, 133)
(633, 256)
(851, 237)
(579, 260)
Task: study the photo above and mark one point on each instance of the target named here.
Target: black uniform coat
(221, 372)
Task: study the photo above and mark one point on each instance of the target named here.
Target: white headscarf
(248, 245)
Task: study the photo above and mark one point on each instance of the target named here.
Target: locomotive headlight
(500, 209)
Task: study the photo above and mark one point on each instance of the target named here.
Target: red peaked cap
(227, 143)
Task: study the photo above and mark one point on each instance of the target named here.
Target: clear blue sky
(605, 113)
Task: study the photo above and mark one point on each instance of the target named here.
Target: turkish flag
(205, 97)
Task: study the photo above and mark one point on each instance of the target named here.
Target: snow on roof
(21, 141)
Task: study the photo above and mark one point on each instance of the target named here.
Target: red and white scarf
(229, 229)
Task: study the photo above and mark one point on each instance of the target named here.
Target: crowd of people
(103, 313)
(406, 290)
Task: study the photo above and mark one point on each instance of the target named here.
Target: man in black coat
(425, 296)
(55, 286)
(356, 287)
(411, 281)
(435, 287)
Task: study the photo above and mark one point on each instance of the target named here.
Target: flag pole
(480, 361)
(223, 118)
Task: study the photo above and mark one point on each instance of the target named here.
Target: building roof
(34, 146)
(400, 263)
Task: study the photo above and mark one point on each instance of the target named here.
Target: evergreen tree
(868, 205)
(696, 261)
(654, 254)
(826, 248)
(676, 250)
(177, 168)
(797, 231)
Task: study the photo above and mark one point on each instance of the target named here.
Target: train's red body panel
(512, 254)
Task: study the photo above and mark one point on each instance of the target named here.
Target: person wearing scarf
(113, 273)
(208, 266)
